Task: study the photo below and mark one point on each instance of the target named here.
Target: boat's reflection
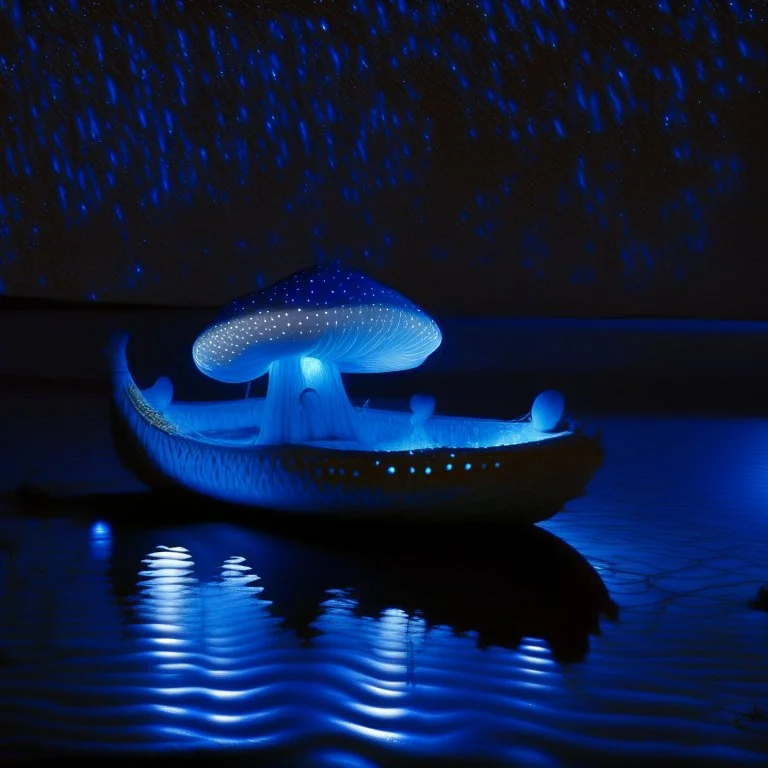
(123, 635)
(499, 585)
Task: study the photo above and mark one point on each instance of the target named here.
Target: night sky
(500, 157)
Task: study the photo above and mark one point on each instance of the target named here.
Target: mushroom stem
(290, 418)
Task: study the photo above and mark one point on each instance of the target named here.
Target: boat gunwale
(577, 451)
(546, 438)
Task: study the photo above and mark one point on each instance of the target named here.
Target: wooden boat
(445, 467)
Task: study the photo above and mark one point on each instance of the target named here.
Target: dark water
(618, 633)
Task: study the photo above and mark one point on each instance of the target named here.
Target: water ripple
(470, 645)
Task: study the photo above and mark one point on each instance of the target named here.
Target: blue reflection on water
(470, 643)
(220, 648)
(101, 540)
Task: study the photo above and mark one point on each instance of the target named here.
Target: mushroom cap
(334, 314)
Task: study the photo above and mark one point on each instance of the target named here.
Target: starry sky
(490, 157)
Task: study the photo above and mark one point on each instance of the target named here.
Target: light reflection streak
(226, 719)
(375, 734)
(168, 655)
(169, 710)
(177, 609)
(162, 627)
(169, 641)
(396, 691)
(205, 653)
(530, 686)
(536, 661)
(530, 672)
(386, 713)
(212, 692)
(101, 541)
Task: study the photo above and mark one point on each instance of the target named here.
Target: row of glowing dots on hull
(392, 470)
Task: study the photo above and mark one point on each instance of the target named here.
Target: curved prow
(117, 354)
(134, 404)
(138, 426)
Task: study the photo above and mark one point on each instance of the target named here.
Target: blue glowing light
(321, 315)
(305, 331)
(293, 448)
(101, 540)
(547, 410)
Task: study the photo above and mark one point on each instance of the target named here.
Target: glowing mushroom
(305, 331)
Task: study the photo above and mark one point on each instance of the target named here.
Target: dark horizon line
(18, 303)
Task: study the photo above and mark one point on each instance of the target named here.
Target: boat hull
(525, 483)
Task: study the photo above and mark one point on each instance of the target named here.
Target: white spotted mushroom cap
(334, 314)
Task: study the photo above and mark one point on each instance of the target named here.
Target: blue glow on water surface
(166, 152)
(101, 540)
(620, 628)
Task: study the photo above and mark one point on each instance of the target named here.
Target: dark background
(536, 157)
